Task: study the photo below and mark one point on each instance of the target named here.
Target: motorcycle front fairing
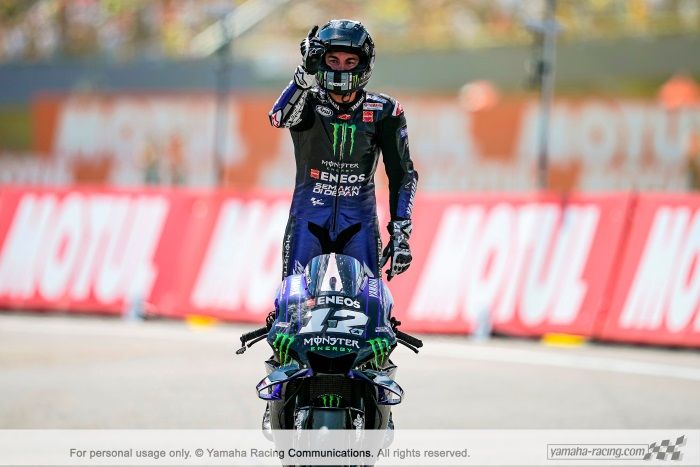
(333, 310)
(332, 321)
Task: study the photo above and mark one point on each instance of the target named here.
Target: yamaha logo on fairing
(337, 300)
(294, 285)
(373, 288)
(325, 111)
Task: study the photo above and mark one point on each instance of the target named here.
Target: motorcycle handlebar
(254, 334)
(414, 341)
(407, 338)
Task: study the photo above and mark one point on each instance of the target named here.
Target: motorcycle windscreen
(334, 274)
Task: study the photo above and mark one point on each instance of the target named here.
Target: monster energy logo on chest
(340, 136)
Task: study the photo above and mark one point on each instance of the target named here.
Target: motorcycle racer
(338, 130)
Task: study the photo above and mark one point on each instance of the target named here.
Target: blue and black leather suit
(336, 147)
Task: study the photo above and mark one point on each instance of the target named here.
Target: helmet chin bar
(340, 82)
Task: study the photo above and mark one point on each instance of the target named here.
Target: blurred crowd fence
(44, 30)
(614, 267)
(601, 67)
(458, 144)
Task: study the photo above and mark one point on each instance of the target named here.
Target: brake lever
(401, 341)
(253, 337)
(254, 341)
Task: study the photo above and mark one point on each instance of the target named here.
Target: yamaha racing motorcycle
(332, 338)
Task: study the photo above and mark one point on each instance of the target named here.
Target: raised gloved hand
(312, 50)
(397, 249)
(303, 79)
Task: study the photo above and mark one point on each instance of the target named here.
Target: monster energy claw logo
(282, 344)
(331, 400)
(380, 349)
(340, 134)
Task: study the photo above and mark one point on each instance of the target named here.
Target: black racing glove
(312, 50)
(397, 249)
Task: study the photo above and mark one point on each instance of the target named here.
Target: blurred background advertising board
(176, 93)
(557, 141)
(167, 138)
(619, 267)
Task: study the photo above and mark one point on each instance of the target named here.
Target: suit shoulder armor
(375, 97)
(390, 107)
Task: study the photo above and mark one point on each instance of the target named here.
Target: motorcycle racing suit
(336, 147)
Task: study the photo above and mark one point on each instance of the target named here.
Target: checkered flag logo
(665, 450)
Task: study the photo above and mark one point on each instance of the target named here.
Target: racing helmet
(346, 35)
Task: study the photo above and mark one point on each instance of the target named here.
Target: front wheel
(324, 420)
(332, 419)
